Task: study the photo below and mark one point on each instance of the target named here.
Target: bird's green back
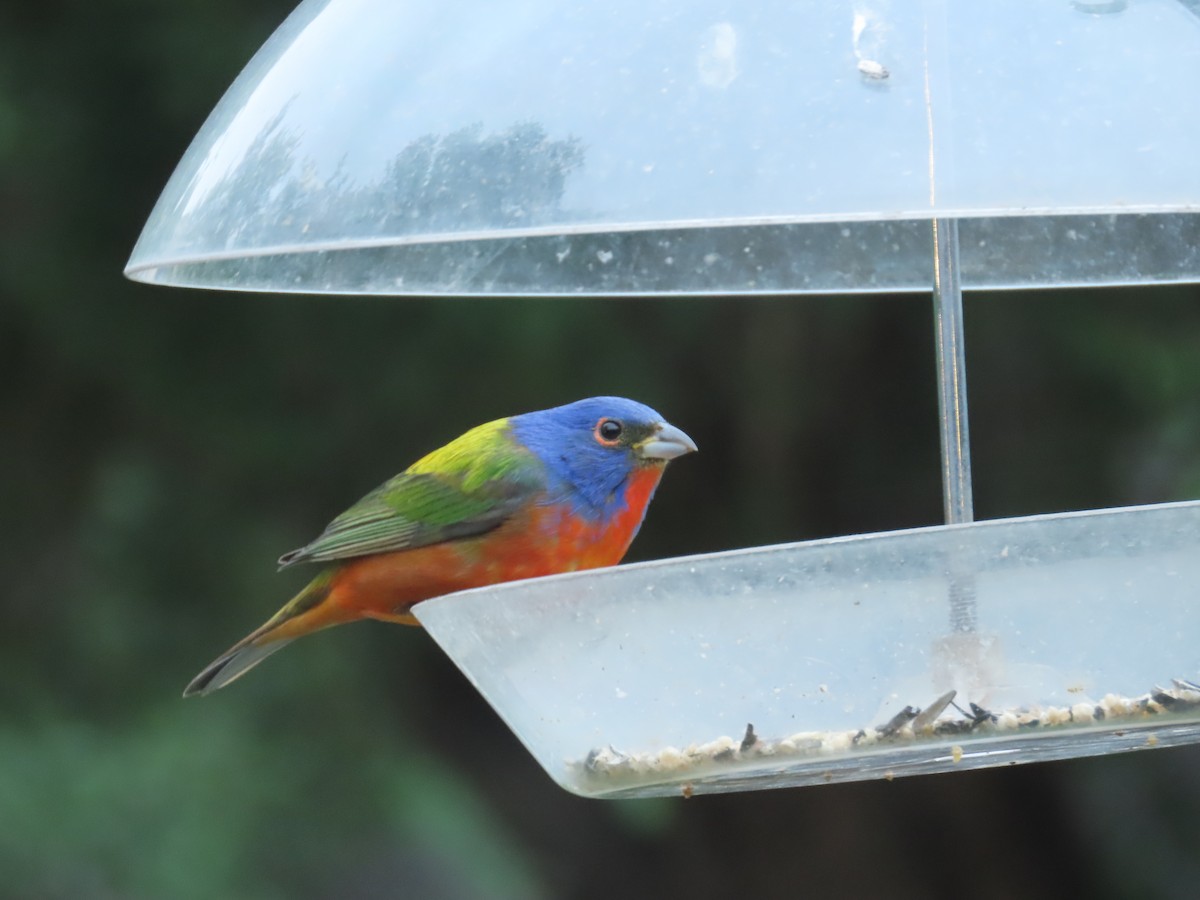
(467, 487)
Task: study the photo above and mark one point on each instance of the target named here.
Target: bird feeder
(687, 148)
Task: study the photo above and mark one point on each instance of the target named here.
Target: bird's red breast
(540, 540)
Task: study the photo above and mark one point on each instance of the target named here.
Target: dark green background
(161, 447)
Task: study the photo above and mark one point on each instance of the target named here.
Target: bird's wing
(464, 489)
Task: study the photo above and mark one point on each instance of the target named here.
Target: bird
(535, 494)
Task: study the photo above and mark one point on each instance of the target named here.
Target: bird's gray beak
(667, 442)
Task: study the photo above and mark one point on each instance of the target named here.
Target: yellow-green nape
(485, 455)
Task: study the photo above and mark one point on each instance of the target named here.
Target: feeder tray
(845, 659)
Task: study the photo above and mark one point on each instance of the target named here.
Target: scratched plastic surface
(838, 636)
(693, 146)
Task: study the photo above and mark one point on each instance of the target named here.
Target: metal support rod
(952, 407)
(952, 374)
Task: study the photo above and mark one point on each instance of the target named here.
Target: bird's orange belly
(544, 541)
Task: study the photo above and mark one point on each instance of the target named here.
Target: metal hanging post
(958, 503)
(952, 374)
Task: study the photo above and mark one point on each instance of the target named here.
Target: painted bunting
(535, 494)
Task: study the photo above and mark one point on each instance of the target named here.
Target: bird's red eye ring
(608, 431)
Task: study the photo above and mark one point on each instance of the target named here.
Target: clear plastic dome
(664, 146)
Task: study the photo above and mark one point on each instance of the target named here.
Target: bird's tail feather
(304, 613)
(231, 665)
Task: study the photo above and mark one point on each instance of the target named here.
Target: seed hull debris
(942, 718)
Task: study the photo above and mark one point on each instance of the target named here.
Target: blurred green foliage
(161, 448)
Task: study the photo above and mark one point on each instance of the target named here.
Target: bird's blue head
(591, 447)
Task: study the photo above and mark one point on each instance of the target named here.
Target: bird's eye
(608, 430)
